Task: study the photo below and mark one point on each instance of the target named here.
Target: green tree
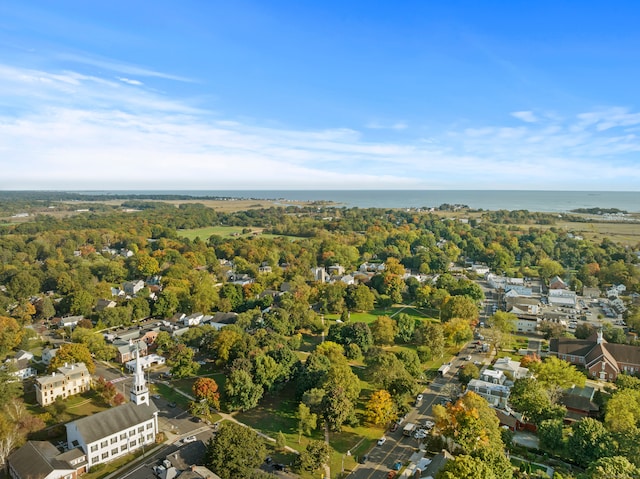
(45, 308)
(466, 467)
(307, 421)
(554, 375)
(241, 392)
(181, 362)
(314, 456)
(146, 265)
(406, 326)
(81, 302)
(281, 442)
(73, 353)
(459, 307)
(469, 372)
(95, 342)
(359, 298)
(531, 398)
(166, 305)
(384, 330)
(550, 433)
(548, 268)
(234, 451)
(617, 467)
(337, 408)
(501, 326)
(430, 336)
(590, 441)
(457, 331)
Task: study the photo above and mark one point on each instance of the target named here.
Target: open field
(225, 231)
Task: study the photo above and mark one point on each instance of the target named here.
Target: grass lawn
(170, 395)
(205, 233)
(371, 316)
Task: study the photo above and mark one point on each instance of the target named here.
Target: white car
(429, 424)
(420, 434)
(467, 358)
(189, 439)
(419, 398)
(382, 440)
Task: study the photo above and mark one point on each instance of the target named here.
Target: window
(95, 459)
(149, 437)
(132, 443)
(114, 440)
(105, 455)
(94, 448)
(104, 444)
(123, 437)
(123, 448)
(132, 432)
(149, 426)
(114, 451)
(141, 429)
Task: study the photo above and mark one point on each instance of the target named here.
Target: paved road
(399, 447)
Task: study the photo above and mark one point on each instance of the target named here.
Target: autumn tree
(457, 331)
(10, 335)
(380, 408)
(207, 389)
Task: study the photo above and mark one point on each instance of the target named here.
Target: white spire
(139, 390)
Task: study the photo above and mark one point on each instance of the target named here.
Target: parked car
(382, 440)
(172, 404)
(364, 458)
(392, 474)
(397, 466)
(189, 439)
(394, 427)
(280, 467)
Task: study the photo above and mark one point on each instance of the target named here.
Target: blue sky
(319, 95)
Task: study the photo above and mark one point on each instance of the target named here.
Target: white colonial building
(68, 380)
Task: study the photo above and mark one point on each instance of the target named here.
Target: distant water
(542, 201)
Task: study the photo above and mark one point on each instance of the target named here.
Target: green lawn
(371, 316)
(205, 233)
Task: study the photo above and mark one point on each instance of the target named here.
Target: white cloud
(375, 125)
(67, 130)
(130, 81)
(526, 116)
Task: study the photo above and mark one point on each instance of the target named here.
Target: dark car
(394, 427)
(196, 419)
(364, 458)
(172, 404)
(280, 467)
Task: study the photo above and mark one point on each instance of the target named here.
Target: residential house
(145, 362)
(48, 354)
(20, 368)
(265, 269)
(106, 303)
(67, 322)
(436, 465)
(319, 275)
(133, 287)
(336, 270)
(496, 394)
(601, 359)
(43, 460)
(591, 292)
(68, 380)
(579, 403)
(557, 283)
(510, 368)
(126, 349)
(347, 279)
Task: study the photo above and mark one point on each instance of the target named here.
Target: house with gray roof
(42, 460)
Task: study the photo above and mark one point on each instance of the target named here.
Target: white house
(562, 298)
(48, 354)
(145, 362)
(68, 380)
(513, 368)
(496, 394)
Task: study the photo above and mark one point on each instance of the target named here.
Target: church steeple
(139, 390)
